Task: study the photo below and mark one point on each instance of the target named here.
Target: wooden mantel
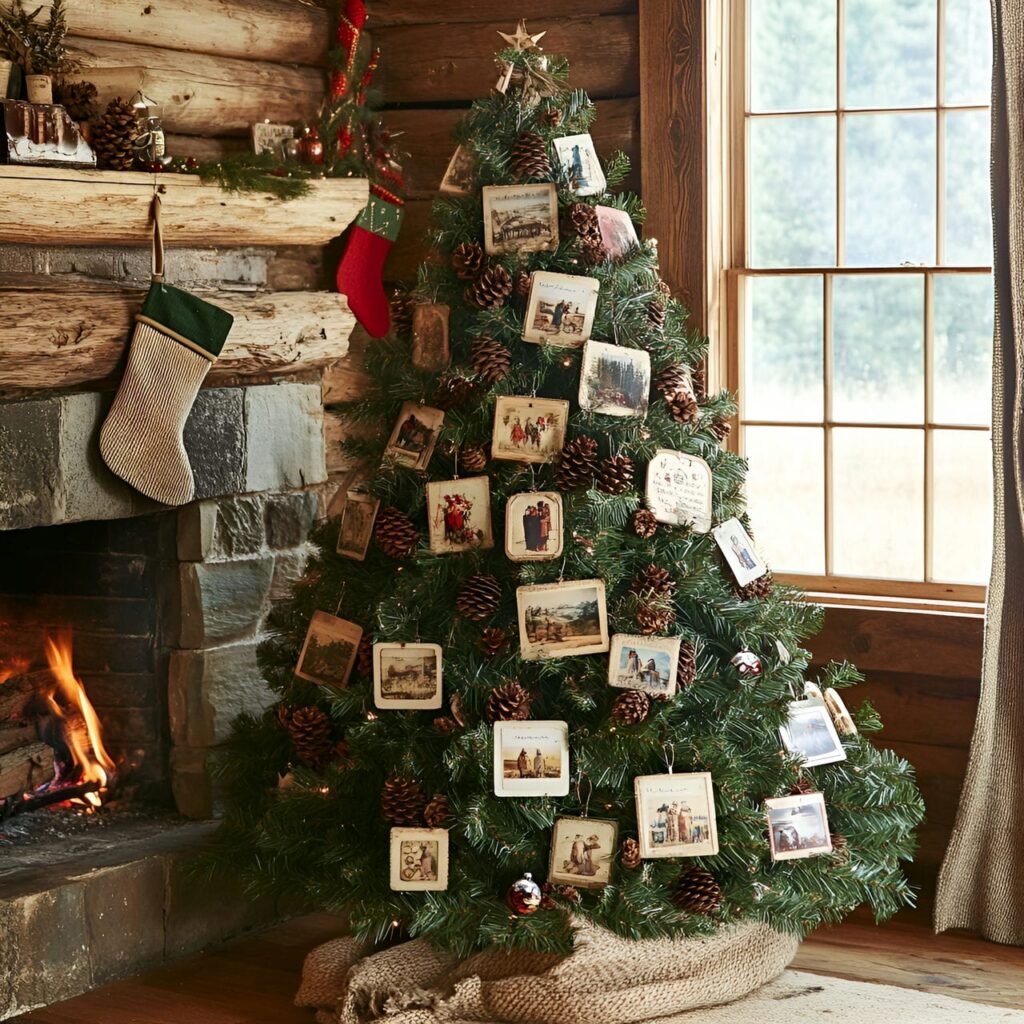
(53, 206)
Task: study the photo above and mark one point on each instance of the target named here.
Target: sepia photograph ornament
(524, 896)
(746, 663)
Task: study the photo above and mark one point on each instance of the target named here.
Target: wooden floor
(253, 981)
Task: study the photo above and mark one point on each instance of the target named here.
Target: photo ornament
(559, 619)
(419, 859)
(520, 218)
(528, 429)
(739, 551)
(675, 815)
(459, 515)
(533, 526)
(560, 310)
(679, 490)
(329, 650)
(648, 663)
(614, 380)
(414, 436)
(531, 759)
(583, 852)
(407, 676)
(810, 733)
(355, 528)
(798, 826)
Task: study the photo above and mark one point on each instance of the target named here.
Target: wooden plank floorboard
(253, 980)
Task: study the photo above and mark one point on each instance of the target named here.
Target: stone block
(238, 529)
(285, 437)
(222, 601)
(29, 463)
(208, 689)
(215, 441)
(288, 569)
(192, 783)
(196, 522)
(289, 518)
(124, 908)
(88, 490)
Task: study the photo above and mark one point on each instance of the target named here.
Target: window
(859, 296)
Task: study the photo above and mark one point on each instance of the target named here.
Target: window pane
(792, 219)
(792, 56)
(786, 494)
(967, 234)
(967, 52)
(963, 314)
(890, 53)
(878, 349)
(878, 503)
(782, 349)
(962, 506)
(890, 189)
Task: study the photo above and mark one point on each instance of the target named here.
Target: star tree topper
(522, 40)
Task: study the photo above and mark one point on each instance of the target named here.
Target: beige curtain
(981, 884)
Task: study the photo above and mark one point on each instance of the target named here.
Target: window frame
(727, 58)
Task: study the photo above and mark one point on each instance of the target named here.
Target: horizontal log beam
(426, 66)
(267, 30)
(199, 94)
(418, 12)
(48, 206)
(57, 336)
(427, 136)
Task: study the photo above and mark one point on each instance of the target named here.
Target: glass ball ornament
(524, 896)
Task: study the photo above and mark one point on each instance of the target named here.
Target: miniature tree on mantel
(315, 785)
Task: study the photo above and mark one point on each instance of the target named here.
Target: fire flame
(86, 748)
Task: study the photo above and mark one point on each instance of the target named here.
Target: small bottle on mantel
(151, 145)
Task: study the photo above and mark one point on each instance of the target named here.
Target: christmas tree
(560, 653)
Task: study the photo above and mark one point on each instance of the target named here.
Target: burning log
(22, 803)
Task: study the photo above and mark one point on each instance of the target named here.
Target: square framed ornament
(528, 429)
(577, 156)
(648, 663)
(561, 619)
(531, 759)
(618, 235)
(355, 528)
(560, 310)
(459, 176)
(419, 859)
(520, 218)
(407, 676)
(459, 515)
(414, 435)
(533, 526)
(430, 350)
(614, 380)
(739, 551)
(679, 489)
(810, 733)
(675, 815)
(798, 826)
(583, 852)
(329, 650)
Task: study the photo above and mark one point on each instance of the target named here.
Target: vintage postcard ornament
(583, 852)
(739, 551)
(459, 515)
(676, 815)
(679, 490)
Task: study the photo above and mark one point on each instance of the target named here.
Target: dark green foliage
(325, 838)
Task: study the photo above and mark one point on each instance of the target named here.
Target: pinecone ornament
(310, 730)
(364, 655)
(615, 474)
(453, 391)
(593, 251)
(78, 99)
(653, 582)
(522, 284)
(643, 523)
(402, 304)
(653, 618)
(758, 589)
(445, 725)
(686, 667)
(469, 260)
(577, 465)
(840, 848)
(583, 218)
(508, 703)
(114, 136)
(395, 533)
(490, 360)
(721, 429)
(552, 116)
(530, 156)
(629, 854)
(402, 801)
(631, 707)
(683, 407)
(699, 377)
(435, 814)
(473, 457)
(672, 379)
(492, 640)
(490, 289)
(698, 892)
(479, 597)
(656, 314)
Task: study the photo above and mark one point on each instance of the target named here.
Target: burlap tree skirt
(605, 980)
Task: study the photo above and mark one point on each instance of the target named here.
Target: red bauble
(524, 896)
(311, 147)
(192, 163)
